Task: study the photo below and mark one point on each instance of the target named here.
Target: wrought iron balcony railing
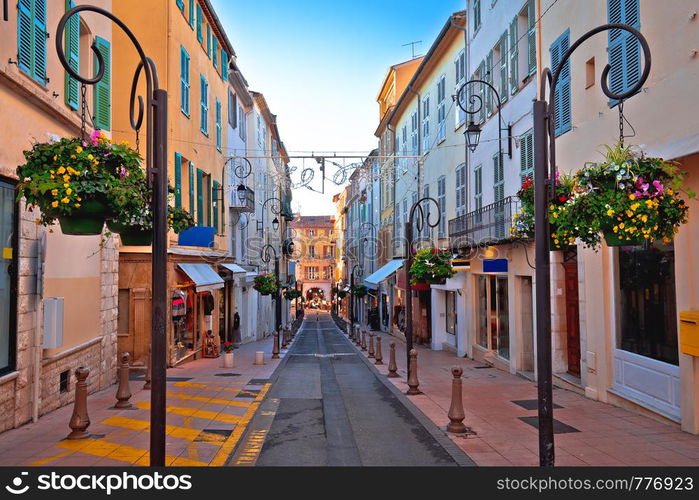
(487, 225)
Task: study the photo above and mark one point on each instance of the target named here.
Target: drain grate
(258, 381)
(558, 426)
(530, 404)
(227, 375)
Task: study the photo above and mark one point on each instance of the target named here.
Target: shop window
(493, 315)
(8, 297)
(647, 301)
(451, 312)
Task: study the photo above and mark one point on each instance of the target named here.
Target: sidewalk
(208, 409)
(596, 433)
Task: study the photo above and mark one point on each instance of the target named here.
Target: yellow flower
(68, 191)
(629, 213)
(635, 206)
(54, 192)
(644, 218)
(65, 200)
(616, 229)
(555, 215)
(632, 197)
(77, 205)
(61, 170)
(54, 204)
(55, 158)
(670, 192)
(621, 226)
(90, 157)
(65, 184)
(52, 171)
(53, 176)
(66, 178)
(37, 222)
(79, 149)
(610, 212)
(73, 156)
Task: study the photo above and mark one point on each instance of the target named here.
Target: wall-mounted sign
(461, 264)
(494, 265)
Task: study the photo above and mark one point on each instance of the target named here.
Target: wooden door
(572, 316)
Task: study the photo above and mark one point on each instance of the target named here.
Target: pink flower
(94, 137)
(658, 187)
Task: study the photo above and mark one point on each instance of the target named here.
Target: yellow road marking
(193, 412)
(229, 445)
(252, 449)
(119, 452)
(204, 399)
(199, 385)
(51, 459)
(191, 446)
(171, 430)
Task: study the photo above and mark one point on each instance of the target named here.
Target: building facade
(314, 243)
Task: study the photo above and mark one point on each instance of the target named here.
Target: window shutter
(204, 104)
(208, 40)
(39, 66)
(526, 159)
(504, 88)
(191, 13)
(200, 36)
(200, 197)
(498, 179)
(531, 36)
(224, 65)
(481, 76)
(184, 81)
(562, 104)
(214, 202)
(624, 49)
(489, 98)
(72, 96)
(180, 4)
(102, 118)
(191, 188)
(218, 125)
(514, 56)
(214, 51)
(24, 35)
(178, 180)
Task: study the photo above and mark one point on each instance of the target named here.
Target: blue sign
(494, 265)
(198, 236)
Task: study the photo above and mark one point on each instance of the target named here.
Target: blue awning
(203, 276)
(234, 268)
(385, 272)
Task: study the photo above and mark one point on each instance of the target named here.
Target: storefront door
(493, 314)
(570, 270)
(7, 275)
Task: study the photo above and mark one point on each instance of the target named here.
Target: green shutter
(102, 107)
(208, 40)
(72, 49)
(531, 36)
(214, 42)
(31, 38)
(200, 197)
(191, 13)
(184, 81)
(178, 180)
(39, 66)
(514, 56)
(199, 32)
(191, 189)
(204, 105)
(224, 65)
(215, 202)
(219, 141)
(24, 35)
(180, 4)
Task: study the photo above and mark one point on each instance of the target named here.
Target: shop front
(382, 296)
(448, 315)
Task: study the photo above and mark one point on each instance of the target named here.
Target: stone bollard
(146, 386)
(456, 409)
(355, 335)
(275, 347)
(363, 342)
(371, 345)
(284, 340)
(392, 366)
(80, 420)
(123, 391)
(259, 357)
(378, 356)
(412, 378)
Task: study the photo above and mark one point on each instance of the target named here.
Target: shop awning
(385, 272)
(203, 276)
(234, 268)
(676, 149)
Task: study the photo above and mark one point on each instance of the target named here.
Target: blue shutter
(39, 66)
(180, 4)
(214, 202)
(102, 108)
(184, 81)
(214, 51)
(562, 104)
(200, 197)
(208, 40)
(200, 36)
(204, 103)
(72, 49)
(178, 180)
(191, 13)
(24, 35)
(224, 65)
(624, 49)
(218, 126)
(191, 188)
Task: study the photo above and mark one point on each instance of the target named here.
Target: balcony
(486, 226)
(241, 199)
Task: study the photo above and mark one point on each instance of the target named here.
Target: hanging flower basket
(341, 294)
(266, 284)
(86, 220)
(629, 198)
(292, 294)
(430, 266)
(359, 291)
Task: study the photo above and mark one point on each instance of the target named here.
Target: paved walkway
(596, 433)
(208, 410)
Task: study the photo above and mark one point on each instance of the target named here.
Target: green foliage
(431, 265)
(359, 291)
(266, 284)
(292, 294)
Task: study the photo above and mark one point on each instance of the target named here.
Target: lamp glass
(241, 193)
(275, 223)
(473, 135)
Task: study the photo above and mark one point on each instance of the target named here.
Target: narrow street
(327, 407)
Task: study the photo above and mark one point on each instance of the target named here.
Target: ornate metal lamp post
(265, 256)
(276, 209)
(544, 189)
(419, 223)
(156, 165)
(358, 271)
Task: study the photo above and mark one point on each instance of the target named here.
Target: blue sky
(319, 63)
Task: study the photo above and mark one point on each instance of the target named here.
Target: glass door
(493, 314)
(7, 278)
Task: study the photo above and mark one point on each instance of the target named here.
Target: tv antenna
(412, 46)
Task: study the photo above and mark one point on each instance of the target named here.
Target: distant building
(314, 242)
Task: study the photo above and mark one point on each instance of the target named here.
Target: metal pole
(278, 297)
(408, 293)
(159, 279)
(351, 298)
(543, 286)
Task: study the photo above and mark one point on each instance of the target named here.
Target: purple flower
(658, 187)
(94, 137)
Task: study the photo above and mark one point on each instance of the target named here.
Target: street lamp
(275, 224)
(275, 208)
(473, 136)
(265, 256)
(357, 271)
(242, 193)
(156, 165)
(544, 190)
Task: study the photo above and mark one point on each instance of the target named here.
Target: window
(191, 14)
(232, 109)
(204, 104)
(311, 232)
(215, 194)
(180, 4)
(242, 123)
(476, 15)
(192, 198)
(460, 79)
(311, 251)
(102, 93)
(31, 39)
(590, 73)
(514, 55)
(219, 140)
(478, 187)
(488, 77)
(203, 198)
(499, 196)
(184, 81)
(461, 190)
(624, 49)
(327, 272)
(414, 127)
(224, 65)
(501, 82)
(526, 158)
(72, 46)
(311, 273)
(8, 297)
(200, 34)
(208, 40)
(562, 103)
(450, 308)
(426, 124)
(441, 109)
(442, 200)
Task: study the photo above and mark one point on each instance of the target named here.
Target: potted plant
(228, 356)
(628, 198)
(292, 294)
(341, 294)
(430, 265)
(359, 291)
(71, 180)
(266, 284)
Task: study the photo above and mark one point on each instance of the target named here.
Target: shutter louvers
(72, 49)
(102, 117)
(178, 180)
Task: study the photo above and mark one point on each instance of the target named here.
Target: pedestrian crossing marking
(170, 430)
(120, 452)
(51, 458)
(194, 412)
(204, 399)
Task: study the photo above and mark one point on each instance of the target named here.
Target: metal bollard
(123, 391)
(284, 341)
(275, 347)
(371, 345)
(146, 386)
(357, 335)
(456, 409)
(80, 420)
(412, 378)
(378, 356)
(392, 366)
(363, 342)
